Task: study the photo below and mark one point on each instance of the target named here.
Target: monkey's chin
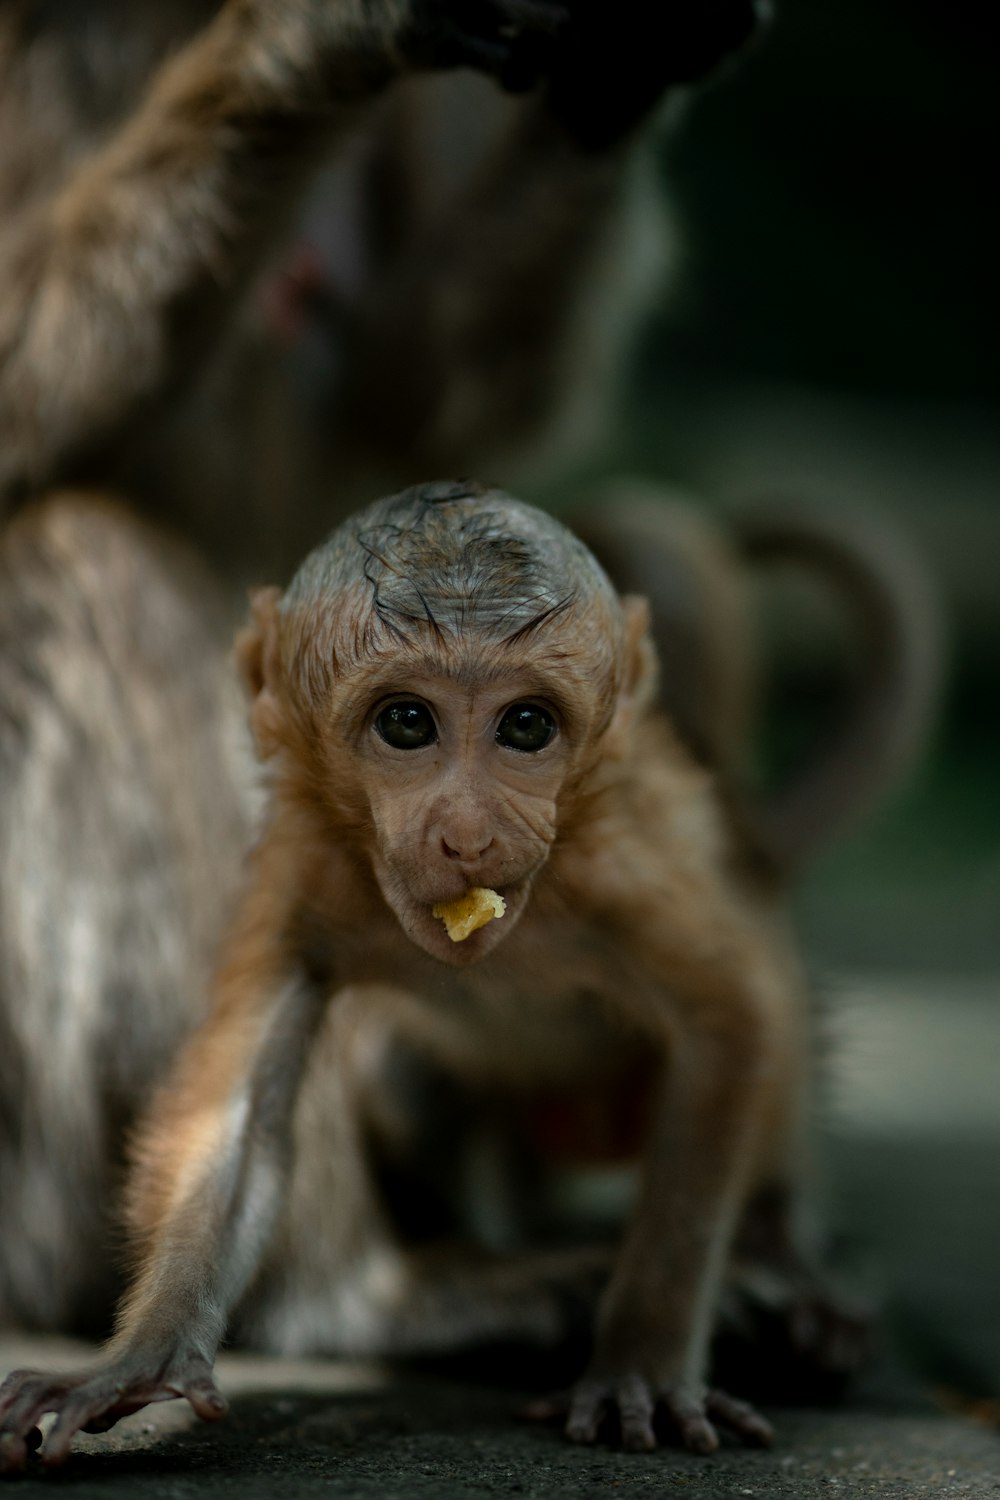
(429, 933)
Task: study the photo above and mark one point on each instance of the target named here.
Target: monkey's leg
(211, 1166)
(784, 1321)
(390, 1301)
(139, 256)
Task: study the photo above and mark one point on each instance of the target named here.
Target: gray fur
(120, 831)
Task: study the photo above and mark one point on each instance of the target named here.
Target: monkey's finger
(635, 1412)
(106, 1420)
(74, 1415)
(741, 1418)
(205, 1397)
(587, 1410)
(13, 1452)
(95, 1407)
(21, 1385)
(691, 1424)
(29, 1396)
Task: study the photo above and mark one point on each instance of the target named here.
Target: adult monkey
(154, 160)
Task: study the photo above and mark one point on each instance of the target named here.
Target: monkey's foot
(642, 1416)
(791, 1333)
(94, 1400)
(834, 1337)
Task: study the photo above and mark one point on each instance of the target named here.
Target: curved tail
(871, 569)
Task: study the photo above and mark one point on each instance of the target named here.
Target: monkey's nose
(468, 851)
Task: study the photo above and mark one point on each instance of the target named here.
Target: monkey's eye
(406, 726)
(525, 726)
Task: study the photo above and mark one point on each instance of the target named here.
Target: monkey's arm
(726, 1033)
(118, 280)
(656, 1319)
(467, 341)
(487, 322)
(205, 1193)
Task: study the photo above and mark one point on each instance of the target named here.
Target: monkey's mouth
(430, 933)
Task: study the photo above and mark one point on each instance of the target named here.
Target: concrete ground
(340, 1431)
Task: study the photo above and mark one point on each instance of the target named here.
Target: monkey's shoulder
(653, 820)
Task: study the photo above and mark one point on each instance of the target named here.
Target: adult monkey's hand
(612, 66)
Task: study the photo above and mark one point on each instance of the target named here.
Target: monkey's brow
(472, 662)
(552, 612)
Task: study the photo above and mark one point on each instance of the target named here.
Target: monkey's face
(441, 682)
(462, 775)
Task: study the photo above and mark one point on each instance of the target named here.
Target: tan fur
(631, 931)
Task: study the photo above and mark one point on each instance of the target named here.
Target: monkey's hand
(610, 68)
(640, 1412)
(94, 1400)
(512, 40)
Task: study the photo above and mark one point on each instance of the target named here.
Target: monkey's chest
(600, 1121)
(545, 1037)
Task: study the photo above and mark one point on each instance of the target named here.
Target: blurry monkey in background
(256, 256)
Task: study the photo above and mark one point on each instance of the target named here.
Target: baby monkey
(451, 696)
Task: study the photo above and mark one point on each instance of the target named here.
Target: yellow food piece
(470, 912)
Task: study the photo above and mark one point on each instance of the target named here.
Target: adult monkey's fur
(160, 161)
(638, 936)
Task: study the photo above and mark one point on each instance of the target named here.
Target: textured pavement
(340, 1431)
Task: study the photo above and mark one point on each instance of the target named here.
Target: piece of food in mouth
(470, 912)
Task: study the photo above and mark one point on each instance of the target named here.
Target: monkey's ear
(257, 659)
(638, 685)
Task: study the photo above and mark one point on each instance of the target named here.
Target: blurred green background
(833, 337)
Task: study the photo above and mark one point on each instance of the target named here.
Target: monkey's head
(446, 678)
